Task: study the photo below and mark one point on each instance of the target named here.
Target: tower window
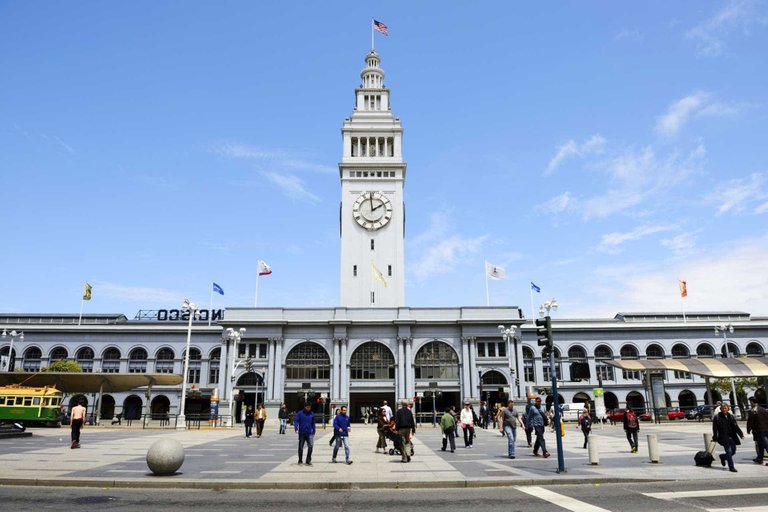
(372, 244)
(354, 270)
(389, 270)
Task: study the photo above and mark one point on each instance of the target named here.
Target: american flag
(377, 25)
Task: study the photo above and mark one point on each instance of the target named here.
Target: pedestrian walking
(510, 420)
(537, 419)
(304, 426)
(406, 428)
(631, 427)
(77, 420)
(387, 411)
(726, 432)
(757, 424)
(467, 421)
(282, 415)
(333, 436)
(248, 422)
(483, 416)
(528, 428)
(382, 423)
(585, 423)
(261, 417)
(341, 428)
(448, 426)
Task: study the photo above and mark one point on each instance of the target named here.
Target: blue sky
(603, 150)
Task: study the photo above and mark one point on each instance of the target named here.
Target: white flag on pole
(264, 269)
(495, 271)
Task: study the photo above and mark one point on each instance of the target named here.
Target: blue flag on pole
(533, 287)
(218, 289)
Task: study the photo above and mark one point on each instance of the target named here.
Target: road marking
(223, 472)
(704, 493)
(560, 500)
(759, 508)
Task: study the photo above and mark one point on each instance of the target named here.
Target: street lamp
(192, 309)
(11, 356)
(550, 304)
(234, 336)
(725, 329)
(508, 335)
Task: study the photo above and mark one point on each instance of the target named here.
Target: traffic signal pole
(545, 339)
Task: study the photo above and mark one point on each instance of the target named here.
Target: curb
(165, 483)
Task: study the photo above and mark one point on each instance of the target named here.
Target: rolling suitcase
(704, 458)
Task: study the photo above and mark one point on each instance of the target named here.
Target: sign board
(597, 392)
(419, 394)
(323, 395)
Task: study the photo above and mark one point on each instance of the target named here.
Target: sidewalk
(224, 459)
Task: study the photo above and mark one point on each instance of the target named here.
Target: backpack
(631, 419)
(586, 423)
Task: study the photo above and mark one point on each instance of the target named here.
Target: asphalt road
(744, 495)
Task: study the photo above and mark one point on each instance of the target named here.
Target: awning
(90, 382)
(705, 366)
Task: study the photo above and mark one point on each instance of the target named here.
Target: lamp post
(544, 311)
(725, 329)
(234, 336)
(181, 420)
(11, 356)
(508, 335)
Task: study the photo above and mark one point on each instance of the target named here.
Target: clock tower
(372, 175)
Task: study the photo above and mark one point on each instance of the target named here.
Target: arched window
(603, 353)
(705, 350)
(214, 364)
(545, 364)
(137, 361)
(529, 368)
(654, 351)
(307, 361)
(372, 361)
(164, 360)
(110, 361)
(32, 357)
(195, 364)
(577, 354)
(84, 358)
(628, 352)
(494, 378)
(754, 349)
(436, 360)
(733, 350)
(680, 351)
(58, 354)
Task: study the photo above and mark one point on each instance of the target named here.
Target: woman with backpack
(448, 426)
(585, 422)
(631, 427)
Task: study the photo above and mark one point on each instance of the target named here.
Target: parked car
(673, 413)
(700, 412)
(616, 415)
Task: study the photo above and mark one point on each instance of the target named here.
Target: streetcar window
(10, 401)
(36, 401)
(2, 400)
(27, 400)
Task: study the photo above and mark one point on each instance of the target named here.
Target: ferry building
(373, 347)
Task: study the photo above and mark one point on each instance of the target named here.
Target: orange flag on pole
(683, 288)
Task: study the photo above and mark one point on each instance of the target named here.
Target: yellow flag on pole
(377, 275)
(87, 291)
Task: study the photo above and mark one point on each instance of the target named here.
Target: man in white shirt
(387, 411)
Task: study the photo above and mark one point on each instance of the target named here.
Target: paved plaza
(224, 458)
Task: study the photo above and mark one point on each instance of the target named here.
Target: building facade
(372, 347)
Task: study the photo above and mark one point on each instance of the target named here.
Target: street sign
(323, 395)
(597, 391)
(419, 394)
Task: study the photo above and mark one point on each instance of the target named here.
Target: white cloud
(136, 293)
(557, 204)
(292, 186)
(739, 195)
(571, 148)
(735, 16)
(680, 245)
(271, 158)
(724, 279)
(439, 252)
(696, 104)
(611, 242)
(629, 35)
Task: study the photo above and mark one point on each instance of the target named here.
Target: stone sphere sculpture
(165, 456)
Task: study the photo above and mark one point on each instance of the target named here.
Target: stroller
(397, 442)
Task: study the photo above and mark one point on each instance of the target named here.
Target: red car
(616, 415)
(673, 413)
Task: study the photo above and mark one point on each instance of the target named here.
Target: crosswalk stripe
(561, 500)
(704, 493)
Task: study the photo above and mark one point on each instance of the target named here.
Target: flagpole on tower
(210, 308)
(256, 296)
(372, 47)
(487, 295)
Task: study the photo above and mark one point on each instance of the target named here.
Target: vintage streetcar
(30, 405)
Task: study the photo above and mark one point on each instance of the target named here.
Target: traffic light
(544, 331)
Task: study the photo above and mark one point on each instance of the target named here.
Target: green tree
(723, 386)
(63, 366)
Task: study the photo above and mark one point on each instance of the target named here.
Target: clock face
(372, 210)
